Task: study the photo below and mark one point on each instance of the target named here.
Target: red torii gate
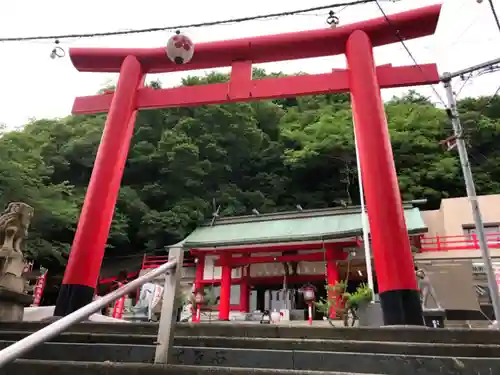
(391, 250)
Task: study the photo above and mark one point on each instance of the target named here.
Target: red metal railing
(148, 262)
(154, 261)
(424, 243)
(463, 242)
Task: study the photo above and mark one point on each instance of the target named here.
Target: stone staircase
(232, 348)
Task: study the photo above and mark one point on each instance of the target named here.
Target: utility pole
(471, 191)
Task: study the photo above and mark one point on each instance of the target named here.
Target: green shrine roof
(292, 226)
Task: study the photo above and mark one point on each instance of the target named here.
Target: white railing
(167, 320)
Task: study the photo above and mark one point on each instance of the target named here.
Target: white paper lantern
(180, 49)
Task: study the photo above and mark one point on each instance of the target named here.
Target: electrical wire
(187, 26)
(472, 152)
(477, 73)
(471, 75)
(465, 81)
(398, 35)
(495, 94)
(494, 12)
(460, 36)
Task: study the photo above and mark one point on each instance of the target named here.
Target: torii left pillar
(84, 263)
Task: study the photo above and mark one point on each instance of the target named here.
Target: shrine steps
(34, 367)
(251, 358)
(142, 346)
(242, 330)
(91, 348)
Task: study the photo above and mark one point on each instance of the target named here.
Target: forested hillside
(269, 156)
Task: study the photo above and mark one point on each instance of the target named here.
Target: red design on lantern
(182, 42)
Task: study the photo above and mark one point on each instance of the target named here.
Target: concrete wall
(455, 213)
(433, 220)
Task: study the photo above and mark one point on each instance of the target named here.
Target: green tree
(269, 155)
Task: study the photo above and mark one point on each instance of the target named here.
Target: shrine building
(246, 260)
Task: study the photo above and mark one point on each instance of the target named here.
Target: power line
(495, 15)
(482, 66)
(480, 113)
(487, 104)
(476, 71)
(464, 82)
(187, 26)
(398, 35)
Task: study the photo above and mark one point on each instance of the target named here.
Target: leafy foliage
(269, 155)
(361, 296)
(334, 293)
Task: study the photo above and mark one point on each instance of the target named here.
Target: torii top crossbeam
(263, 49)
(240, 54)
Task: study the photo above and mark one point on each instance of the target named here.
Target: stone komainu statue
(14, 224)
(426, 289)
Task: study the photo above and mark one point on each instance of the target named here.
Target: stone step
(391, 364)
(30, 367)
(443, 350)
(343, 362)
(439, 349)
(391, 334)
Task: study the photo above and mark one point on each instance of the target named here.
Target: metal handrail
(14, 351)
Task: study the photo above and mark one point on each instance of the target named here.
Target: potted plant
(334, 301)
(360, 298)
(359, 304)
(352, 307)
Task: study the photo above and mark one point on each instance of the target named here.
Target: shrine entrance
(391, 249)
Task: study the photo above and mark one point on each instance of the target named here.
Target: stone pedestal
(14, 224)
(370, 315)
(12, 305)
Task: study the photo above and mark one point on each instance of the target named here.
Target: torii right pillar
(392, 255)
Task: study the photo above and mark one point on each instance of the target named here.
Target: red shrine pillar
(225, 286)
(391, 248)
(200, 271)
(245, 290)
(84, 263)
(332, 277)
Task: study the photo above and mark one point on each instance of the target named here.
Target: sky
(34, 86)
